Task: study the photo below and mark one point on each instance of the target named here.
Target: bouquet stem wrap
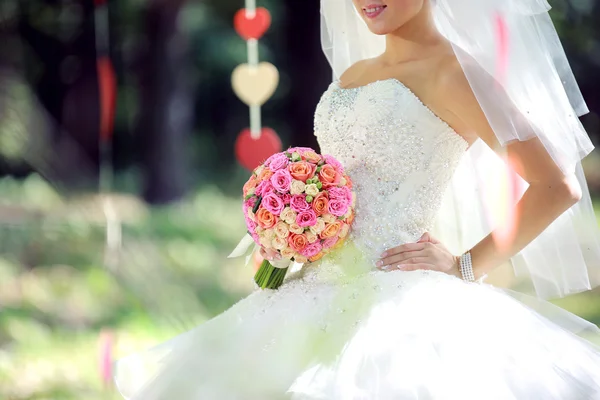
(271, 274)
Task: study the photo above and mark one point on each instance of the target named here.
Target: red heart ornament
(252, 28)
(252, 152)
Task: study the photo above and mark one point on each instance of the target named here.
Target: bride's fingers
(401, 257)
(406, 247)
(408, 262)
(416, 267)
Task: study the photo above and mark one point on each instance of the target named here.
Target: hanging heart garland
(254, 83)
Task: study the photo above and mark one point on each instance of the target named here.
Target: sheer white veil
(541, 99)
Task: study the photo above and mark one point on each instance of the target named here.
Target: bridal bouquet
(298, 204)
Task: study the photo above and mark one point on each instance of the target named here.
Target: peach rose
(265, 219)
(311, 236)
(297, 229)
(251, 215)
(297, 242)
(331, 230)
(297, 187)
(311, 157)
(265, 174)
(278, 243)
(302, 170)
(288, 215)
(329, 176)
(288, 253)
(281, 230)
(320, 204)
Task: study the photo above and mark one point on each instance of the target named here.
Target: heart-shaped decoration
(254, 85)
(252, 28)
(252, 152)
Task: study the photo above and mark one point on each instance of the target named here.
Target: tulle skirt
(373, 335)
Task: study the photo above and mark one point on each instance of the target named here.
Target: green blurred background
(63, 296)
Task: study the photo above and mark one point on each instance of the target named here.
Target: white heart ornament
(254, 85)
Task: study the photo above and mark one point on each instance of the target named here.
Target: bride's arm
(550, 192)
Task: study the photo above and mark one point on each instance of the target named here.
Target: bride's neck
(413, 40)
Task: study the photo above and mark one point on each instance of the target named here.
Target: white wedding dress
(339, 329)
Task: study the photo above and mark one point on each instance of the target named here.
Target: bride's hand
(270, 255)
(428, 253)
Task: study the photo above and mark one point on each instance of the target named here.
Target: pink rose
(251, 225)
(329, 243)
(338, 207)
(278, 161)
(250, 203)
(298, 149)
(282, 180)
(334, 163)
(312, 250)
(273, 203)
(286, 197)
(340, 193)
(306, 218)
(298, 203)
(263, 188)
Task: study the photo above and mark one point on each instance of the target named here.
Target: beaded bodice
(399, 155)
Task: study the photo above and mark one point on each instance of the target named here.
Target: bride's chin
(380, 29)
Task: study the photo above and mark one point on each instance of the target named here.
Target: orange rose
(311, 157)
(329, 176)
(317, 257)
(265, 219)
(331, 230)
(297, 242)
(302, 170)
(320, 203)
(265, 174)
(251, 184)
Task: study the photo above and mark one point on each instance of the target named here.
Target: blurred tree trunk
(164, 120)
(308, 67)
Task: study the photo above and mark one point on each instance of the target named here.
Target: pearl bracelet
(466, 267)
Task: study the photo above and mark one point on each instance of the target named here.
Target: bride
(433, 99)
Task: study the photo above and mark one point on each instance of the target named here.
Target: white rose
(288, 215)
(328, 218)
(297, 229)
(281, 230)
(300, 259)
(344, 230)
(265, 242)
(278, 243)
(318, 227)
(297, 187)
(311, 237)
(288, 253)
(311, 190)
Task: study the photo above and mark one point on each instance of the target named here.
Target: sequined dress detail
(340, 329)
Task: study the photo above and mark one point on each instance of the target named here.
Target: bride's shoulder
(355, 72)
